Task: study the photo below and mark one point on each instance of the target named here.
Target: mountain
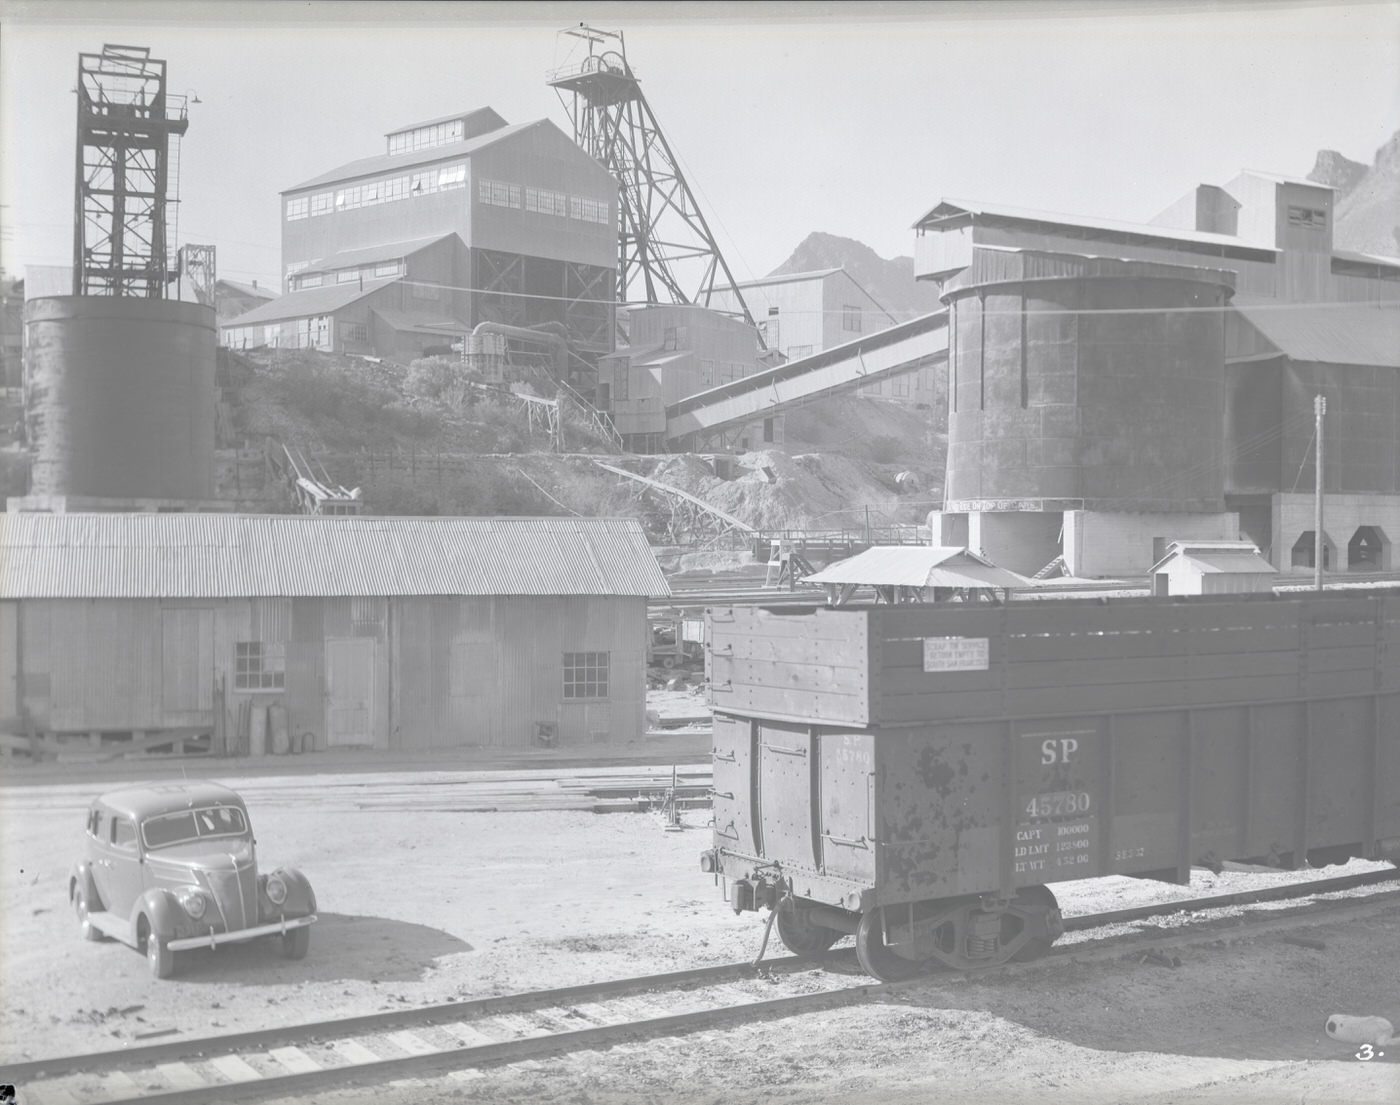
(1367, 208)
(891, 282)
(1341, 173)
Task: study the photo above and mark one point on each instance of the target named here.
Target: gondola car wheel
(800, 936)
(876, 958)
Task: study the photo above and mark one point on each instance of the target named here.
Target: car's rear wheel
(296, 943)
(80, 907)
(159, 957)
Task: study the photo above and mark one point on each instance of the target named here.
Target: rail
(457, 1039)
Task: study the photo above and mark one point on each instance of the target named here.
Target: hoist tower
(666, 252)
(125, 124)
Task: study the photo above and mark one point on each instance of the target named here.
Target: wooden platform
(97, 747)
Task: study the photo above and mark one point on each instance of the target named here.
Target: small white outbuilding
(1212, 568)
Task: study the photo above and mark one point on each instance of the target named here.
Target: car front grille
(235, 889)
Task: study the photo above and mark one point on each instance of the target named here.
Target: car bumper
(213, 939)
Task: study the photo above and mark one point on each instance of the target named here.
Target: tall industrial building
(1114, 387)
(460, 220)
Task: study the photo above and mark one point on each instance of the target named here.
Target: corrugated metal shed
(1331, 334)
(918, 566)
(312, 301)
(235, 556)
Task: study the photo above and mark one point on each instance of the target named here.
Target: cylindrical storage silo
(119, 397)
(1085, 383)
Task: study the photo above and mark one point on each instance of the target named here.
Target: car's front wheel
(297, 943)
(80, 907)
(159, 957)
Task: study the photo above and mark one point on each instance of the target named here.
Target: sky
(787, 118)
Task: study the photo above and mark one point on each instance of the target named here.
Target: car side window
(95, 823)
(123, 834)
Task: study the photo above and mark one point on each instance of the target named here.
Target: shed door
(187, 666)
(350, 691)
(471, 678)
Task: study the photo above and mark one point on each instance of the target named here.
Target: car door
(125, 873)
(100, 855)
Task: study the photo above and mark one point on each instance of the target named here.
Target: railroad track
(456, 1040)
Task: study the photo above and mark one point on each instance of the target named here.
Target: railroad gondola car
(920, 775)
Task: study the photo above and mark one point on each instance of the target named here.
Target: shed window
(850, 319)
(1314, 218)
(586, 674)
(259, 666)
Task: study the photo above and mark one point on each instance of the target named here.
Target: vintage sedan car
(174, 866)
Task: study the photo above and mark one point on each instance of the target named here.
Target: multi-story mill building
(461, 220)
(1114, 387)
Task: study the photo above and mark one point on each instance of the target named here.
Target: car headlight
(276, 889)
(192, 902)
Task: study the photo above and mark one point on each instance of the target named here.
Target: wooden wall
(408, 673)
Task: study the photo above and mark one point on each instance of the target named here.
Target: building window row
(345, 276)
(498, 193)
(444, 178)
(589, 211)
(425, 138)
(543, 201)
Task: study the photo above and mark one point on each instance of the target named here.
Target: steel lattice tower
(124, 132)
(663, 238)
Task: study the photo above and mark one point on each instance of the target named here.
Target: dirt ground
(418, 905)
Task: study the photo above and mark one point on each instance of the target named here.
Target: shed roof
(386, 163)
(1217, 557)
(1330, 333)
(368, 255)
(310, 301)
(480, 120)
(918, 566)
(950, 207)
(251, 556)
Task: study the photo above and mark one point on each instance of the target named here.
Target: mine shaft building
(676, 350)
(385, 633)
(1115, 387)
(462, 220)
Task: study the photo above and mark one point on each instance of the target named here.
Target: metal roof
(1331, 333)
(368, 255)
(476, 114)
(1217, 557)
(265, 555)
(950, 207)
(406, 320)
(310, 301)
(387, 162)
(789, 277)
(1377, 259)
(918, 566)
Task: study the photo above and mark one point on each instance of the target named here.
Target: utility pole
(1319, 546)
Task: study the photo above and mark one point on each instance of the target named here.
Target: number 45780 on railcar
(920, 775)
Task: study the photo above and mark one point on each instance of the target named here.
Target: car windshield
(197, 824)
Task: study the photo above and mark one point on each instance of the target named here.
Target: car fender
(80, 878)
(160, 908)
(301, 899)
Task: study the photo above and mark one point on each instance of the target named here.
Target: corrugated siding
(228, 555)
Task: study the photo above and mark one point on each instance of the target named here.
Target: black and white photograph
(681, 553)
